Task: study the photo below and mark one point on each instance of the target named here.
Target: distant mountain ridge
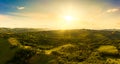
(20, 30)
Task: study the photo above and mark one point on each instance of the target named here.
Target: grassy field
(5, 52)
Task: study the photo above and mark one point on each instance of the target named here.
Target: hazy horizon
(60, 14)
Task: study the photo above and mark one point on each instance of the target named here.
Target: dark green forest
(77, 46)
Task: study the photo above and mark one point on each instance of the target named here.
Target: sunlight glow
(68, 18)
(67, 21)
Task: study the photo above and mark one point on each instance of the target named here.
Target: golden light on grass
(109, 49)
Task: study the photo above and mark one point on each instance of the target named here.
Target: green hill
(5, 52)
(60, 47)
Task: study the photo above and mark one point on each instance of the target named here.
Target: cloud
(112, 10)
(20, 8)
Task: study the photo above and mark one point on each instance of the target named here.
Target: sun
(68, 18)
(67, 21)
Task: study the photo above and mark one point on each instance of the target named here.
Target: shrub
(112, 61)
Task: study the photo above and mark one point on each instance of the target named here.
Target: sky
(60, 14)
